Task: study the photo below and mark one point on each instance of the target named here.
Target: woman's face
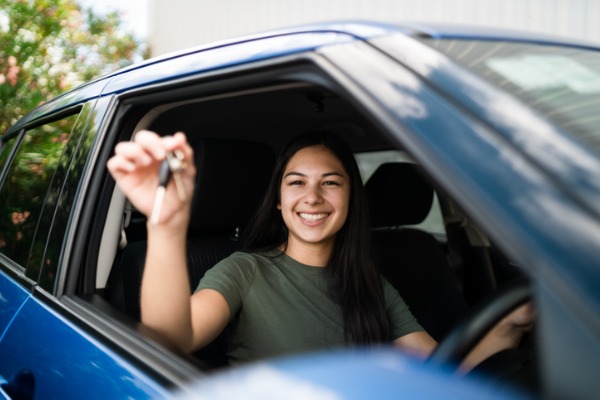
(315, 193)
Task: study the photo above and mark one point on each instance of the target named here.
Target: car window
(368, 162)
(561, 83)
(47, 245)
(26, 182)
(6, 147)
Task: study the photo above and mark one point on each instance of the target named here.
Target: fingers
(142, 152)
(519, 320)
(181, 143)
(152, 144)
(524, 316)
(146, 149)
(157, 146)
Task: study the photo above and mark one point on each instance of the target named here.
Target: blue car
(480, 153)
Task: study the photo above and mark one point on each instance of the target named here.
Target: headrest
(398, 195)
(231, 180)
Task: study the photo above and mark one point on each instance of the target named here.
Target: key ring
(171, 167)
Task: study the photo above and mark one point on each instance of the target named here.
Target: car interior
(439, 260)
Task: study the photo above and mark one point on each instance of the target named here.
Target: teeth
(312, 217)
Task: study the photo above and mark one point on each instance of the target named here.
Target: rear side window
(26, 183)
(5, 150)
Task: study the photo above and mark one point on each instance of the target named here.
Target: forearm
(165, 292)
(501, 337)
(418, 344)
(507, 334)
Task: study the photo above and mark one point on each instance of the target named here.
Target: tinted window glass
(23, 192)
(47, 246)
(5, 150)
(562, 83)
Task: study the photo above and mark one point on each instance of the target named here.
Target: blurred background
(50, 46)
(177, 24)
(170, 25)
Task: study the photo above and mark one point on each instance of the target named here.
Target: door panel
(65, 361)
(12, 297)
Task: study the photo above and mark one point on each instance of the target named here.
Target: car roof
(275, 43)
(365, 30)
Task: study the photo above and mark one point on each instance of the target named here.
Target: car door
(46, 349)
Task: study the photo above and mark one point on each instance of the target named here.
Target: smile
(313, 217)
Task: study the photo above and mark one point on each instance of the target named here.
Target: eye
(293, 183)
(331, 183)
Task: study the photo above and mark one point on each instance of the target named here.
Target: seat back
(232, 177)
(412, 260)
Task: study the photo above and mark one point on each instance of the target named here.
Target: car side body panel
(64, 359)
(12, 297)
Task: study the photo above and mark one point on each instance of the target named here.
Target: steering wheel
(467, 334)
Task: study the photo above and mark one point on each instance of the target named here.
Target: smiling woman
(313, 214)
(329, 180)
(307, 254)
(315, 193)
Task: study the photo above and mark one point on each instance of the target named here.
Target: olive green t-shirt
(282, 306)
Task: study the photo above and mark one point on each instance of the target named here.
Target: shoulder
(250, 258)
(236, 261)
(232, 275)
(245, 262)
(389, 290)
(391, 295)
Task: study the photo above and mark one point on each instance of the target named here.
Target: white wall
(177, 24)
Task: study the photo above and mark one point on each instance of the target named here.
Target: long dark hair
(353, 279)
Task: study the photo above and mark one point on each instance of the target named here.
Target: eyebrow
(326, 174)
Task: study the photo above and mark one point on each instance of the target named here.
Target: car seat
(412, 260)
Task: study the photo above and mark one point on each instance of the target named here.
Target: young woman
(305, 280)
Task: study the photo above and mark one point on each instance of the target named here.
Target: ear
(279, 206)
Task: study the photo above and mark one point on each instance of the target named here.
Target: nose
(313, 195)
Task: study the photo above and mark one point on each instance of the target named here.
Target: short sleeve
(402, 322)
(232, 277)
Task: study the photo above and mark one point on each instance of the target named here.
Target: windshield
(561, 83)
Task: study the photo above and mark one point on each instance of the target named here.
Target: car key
(171, 166)
(176, 165)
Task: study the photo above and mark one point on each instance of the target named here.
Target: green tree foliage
(50, 46)
(46, 47)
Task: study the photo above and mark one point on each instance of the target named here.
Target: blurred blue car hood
(359, 374)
